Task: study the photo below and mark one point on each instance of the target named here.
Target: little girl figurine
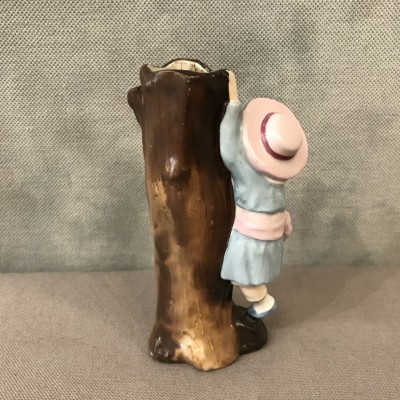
(263, 147)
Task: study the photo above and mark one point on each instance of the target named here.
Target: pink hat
(273, 139)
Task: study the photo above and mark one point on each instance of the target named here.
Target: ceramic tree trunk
(180, 107)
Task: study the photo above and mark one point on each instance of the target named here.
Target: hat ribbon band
(266, 144)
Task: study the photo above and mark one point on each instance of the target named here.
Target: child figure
(262, 147)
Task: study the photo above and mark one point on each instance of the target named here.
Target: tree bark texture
(179, 108)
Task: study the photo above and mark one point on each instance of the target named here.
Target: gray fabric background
(84, 336)
(71, 171)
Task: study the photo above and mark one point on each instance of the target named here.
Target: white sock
(264, 304)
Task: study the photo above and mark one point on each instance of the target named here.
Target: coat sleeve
(229, 133)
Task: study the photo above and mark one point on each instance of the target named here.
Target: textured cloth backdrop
(71, 170)
(84, 336)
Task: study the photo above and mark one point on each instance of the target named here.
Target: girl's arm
(231, 125)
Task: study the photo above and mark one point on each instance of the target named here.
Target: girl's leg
(263, 302)
(253, 294)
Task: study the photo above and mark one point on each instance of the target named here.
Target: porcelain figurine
(262, 146)
(179, 107)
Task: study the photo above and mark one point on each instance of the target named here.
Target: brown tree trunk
(179, 108)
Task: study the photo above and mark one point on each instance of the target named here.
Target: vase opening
(182, 65)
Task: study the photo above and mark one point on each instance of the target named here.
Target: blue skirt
(249, 261)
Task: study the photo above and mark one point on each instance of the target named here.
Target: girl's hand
(288, 226)
(233, 93)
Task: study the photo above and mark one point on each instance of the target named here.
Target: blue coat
(248, 261)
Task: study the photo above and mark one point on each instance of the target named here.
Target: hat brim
(260, 159)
